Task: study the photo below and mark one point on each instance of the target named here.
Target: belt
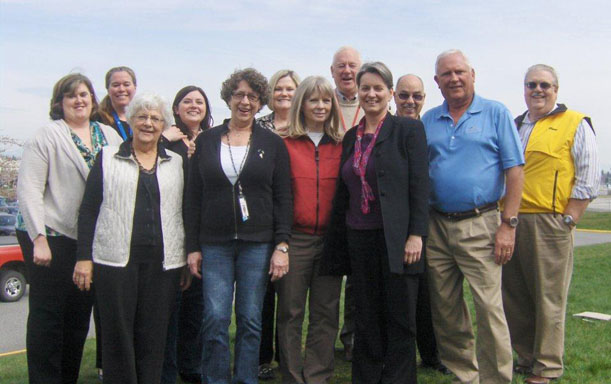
(457, 216)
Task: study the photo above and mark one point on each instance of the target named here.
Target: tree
(9, 167)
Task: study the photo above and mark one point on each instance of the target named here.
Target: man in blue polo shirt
(475, 159)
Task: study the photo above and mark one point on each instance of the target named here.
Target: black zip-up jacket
(213, 211)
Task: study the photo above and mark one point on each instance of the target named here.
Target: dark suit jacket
(401, 165)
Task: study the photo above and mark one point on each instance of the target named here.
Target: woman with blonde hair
(280, 94)
(314, 148)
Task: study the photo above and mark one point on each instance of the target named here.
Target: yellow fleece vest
(549, 171)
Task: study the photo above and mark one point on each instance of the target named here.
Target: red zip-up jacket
(314, 172)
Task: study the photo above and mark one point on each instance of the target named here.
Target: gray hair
(451, 52)
(151, 102)
(346, 48)
(543, 67)
(409, 74)
(378, 68)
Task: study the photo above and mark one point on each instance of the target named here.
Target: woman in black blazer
(379, 217)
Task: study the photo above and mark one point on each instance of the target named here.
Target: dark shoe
(535, 379)
(193, 378)
(439, 367)
(266, 372)
(348, 349)
(521, 369)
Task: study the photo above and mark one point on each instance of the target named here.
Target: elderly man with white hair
(561, 177)
(475, 159)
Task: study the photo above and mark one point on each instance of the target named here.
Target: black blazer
(401, 165)
(212, 208)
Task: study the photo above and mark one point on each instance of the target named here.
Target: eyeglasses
(416, 96)
(532, 85)
(144, 118)
(240, 95)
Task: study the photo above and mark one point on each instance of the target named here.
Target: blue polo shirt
(467, 160)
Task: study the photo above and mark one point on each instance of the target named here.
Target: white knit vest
(112, 238)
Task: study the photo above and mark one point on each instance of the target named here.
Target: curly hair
(67, 86)
(149, 102)
(255, 80)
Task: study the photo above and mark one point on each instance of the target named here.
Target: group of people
(165, 225)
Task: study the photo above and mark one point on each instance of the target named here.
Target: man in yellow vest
(561, 177)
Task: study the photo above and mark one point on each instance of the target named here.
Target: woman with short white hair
(132, 241)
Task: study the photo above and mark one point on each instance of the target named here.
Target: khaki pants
(458, 250)
(535, 290)
(317, 365)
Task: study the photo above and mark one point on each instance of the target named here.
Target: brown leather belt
(458, 216)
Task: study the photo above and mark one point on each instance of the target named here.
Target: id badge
(243, 207)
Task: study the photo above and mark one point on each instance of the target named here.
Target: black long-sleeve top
(146, 229)
(213, 209)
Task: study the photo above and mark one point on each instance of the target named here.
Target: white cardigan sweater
(52, 178)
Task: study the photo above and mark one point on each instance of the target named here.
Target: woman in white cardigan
(131, 242)
(52, 175)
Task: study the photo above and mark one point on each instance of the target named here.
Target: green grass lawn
(595, 220)
(588, 344)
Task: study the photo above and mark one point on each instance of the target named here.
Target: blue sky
(171, 44)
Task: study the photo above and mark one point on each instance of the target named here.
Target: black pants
(268, 324)
(183, 350)
(59, 313)
(135, 303)
(384, 344)
(425, 335)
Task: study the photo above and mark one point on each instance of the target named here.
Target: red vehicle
(12, 273)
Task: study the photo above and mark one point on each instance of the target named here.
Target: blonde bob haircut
(273, 81)
(306, 89)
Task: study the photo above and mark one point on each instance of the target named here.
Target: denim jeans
(246, 265)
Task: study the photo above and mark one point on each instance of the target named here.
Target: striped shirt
(585, 158)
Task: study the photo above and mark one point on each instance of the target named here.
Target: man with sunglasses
(561, 177)
(409, 99)
(475, 159)
(409, 96)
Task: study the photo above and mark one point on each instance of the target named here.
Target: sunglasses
(533, 85)
(416, 96)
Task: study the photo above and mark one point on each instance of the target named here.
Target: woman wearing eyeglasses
(238, 223)
(131, 243)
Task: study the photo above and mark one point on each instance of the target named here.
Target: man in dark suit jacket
(409, 99)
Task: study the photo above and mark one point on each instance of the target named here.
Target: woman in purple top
(379, 217)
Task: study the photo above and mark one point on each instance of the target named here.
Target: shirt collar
(344, 98)
(476, 106)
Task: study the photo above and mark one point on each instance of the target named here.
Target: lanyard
(356, 116)
(120, 126)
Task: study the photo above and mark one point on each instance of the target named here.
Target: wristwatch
(568, 220)
(282, 248)
(511, 221)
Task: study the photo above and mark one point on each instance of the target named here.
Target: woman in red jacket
(314, 146)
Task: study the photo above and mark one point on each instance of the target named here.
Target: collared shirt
(585, 158)
(467, 160)
(341, 96)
